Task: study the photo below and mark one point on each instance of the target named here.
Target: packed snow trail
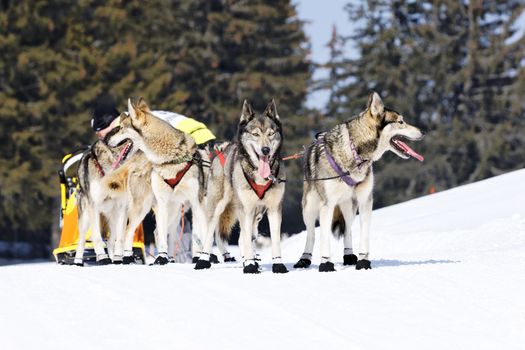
(448, 273)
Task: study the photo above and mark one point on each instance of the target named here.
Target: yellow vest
(200, 133)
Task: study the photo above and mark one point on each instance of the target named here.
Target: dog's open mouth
(404, 148)
(264, 165)
(123, 154)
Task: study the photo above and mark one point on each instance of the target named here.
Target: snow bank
(448, 272)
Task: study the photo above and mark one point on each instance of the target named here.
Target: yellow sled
(65, 252)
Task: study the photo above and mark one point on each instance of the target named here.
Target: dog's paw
(363, 264)
(214, 259)
(251, 268)
(350, 259)
(161, 260)
(202, 264)
(128, 260)
(104, 261)
(279, 268)
(303, 264)
(117, 260)
(326, 267)
(230, 259)
(194, 259)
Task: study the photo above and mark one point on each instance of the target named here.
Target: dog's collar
(356, 155)
(98, 166)
(97, 163)
(183, 159)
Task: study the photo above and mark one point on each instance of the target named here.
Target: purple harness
(343, 175)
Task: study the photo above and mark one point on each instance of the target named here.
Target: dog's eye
(256, 134)
(271, 133)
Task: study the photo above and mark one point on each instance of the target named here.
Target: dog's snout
(265, 150)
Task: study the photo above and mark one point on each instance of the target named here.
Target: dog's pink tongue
(264, 167)
(409, 150)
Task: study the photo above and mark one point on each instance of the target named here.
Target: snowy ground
(448, 273)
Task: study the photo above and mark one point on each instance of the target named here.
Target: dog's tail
(226, 221)
(338, 223)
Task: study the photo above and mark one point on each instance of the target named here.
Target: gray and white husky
(339, 178)
(248, 181)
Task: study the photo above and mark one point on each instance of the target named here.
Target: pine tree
(336, 74)
(451, 67)
(200, 58)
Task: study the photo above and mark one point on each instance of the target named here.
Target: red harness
(220, 154)
(175, 181)
(260, 190)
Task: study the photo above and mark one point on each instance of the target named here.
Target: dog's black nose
(265, 150)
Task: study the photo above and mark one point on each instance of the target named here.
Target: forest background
(456, 69)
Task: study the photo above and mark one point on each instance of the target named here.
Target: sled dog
(247, 180)
(115, 188)
(177, 177)
(339, 178)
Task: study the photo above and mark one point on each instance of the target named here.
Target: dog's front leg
(118, 230)
(365, 215)
(96, 238)
(216, 209)
(275, 219)
(83, 227)
(310, 212)
(161, 239)
(325, 221)
(247, 217)
(200, 227)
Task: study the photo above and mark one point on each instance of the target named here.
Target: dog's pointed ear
(131, 110)
(136, 112)
(375, 105)
(271, 110)
(142, 105)
(247, 112)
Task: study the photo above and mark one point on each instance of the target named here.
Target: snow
(448, 273)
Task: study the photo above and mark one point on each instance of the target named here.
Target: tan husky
(177, 176)
(115, 188)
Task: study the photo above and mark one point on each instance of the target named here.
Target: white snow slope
(448, 273)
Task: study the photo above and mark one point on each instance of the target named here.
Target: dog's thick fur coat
(118, 196)
(177, 177)
(354, 146)
(248, 184)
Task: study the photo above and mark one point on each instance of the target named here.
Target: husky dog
(115, 187)
(250, 180)
(343, 157)
(177, 176)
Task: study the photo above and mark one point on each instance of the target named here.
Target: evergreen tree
(336, 74)
(451, 67)
(200, 58)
